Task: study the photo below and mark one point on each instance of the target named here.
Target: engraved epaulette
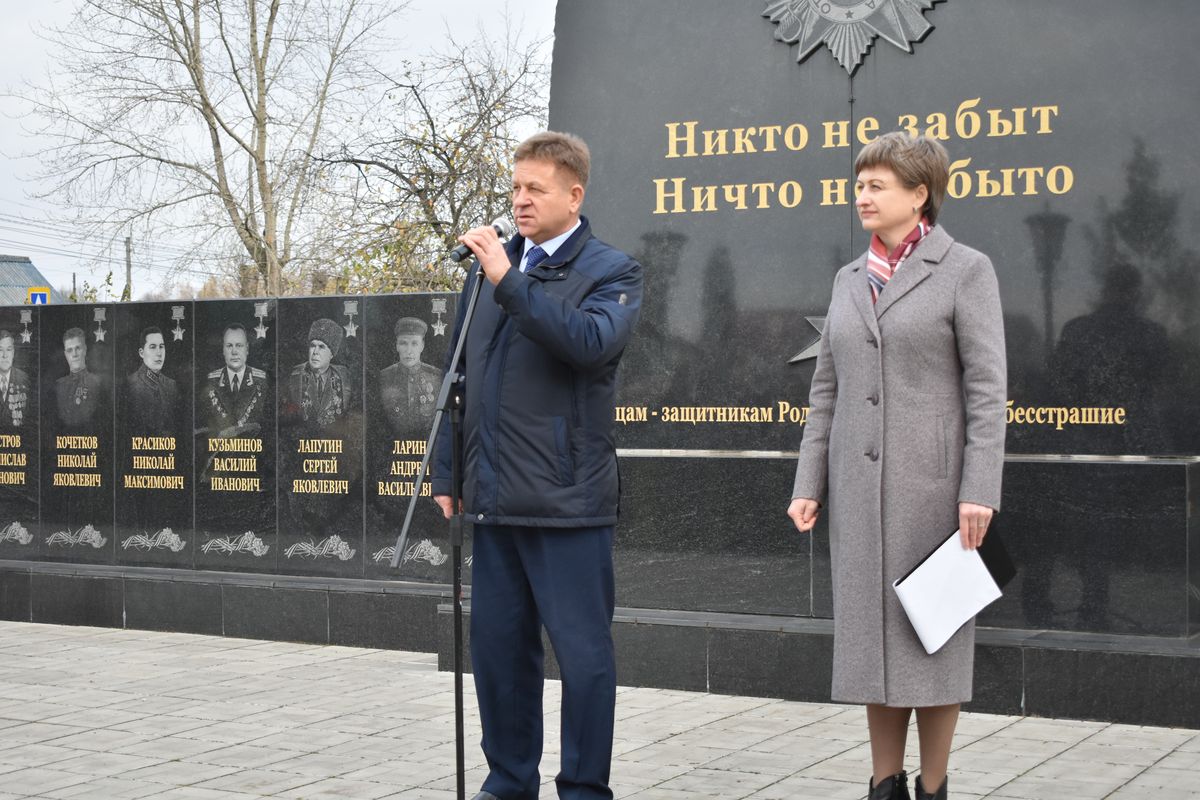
(258, 373)
(216, 373)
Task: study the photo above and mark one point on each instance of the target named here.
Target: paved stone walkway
(98, 713)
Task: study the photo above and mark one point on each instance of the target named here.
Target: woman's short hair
(916, 161)
(566, 150)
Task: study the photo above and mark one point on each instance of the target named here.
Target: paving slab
(101, 714)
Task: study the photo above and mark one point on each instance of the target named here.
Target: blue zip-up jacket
(541, 380)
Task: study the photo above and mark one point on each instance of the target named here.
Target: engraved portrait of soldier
(153, 397)
(409, 388)
(14, 384)
(234, 397)
(77, 394)
(19, 481)
(318, 390)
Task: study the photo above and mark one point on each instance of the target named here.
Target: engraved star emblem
(814, 348)
(848, 27)
(351, 328)
(178, 334)
(260, 332)
(26, 337)
(99, 334)
(439, 328)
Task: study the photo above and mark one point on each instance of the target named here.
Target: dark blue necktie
(535, 256)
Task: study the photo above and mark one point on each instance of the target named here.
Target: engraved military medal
(848, 27)
(439, 308)
(98, 317)
(260, 311)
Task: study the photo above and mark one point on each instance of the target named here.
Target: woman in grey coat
(905, 437)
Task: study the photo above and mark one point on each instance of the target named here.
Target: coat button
(480, 518)
(873, 399)
(872, 454)
(871, 341)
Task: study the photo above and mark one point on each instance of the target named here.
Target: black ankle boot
(940, 794)
(893, 788)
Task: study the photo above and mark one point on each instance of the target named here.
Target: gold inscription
(311, 486)
(235, 445)
(76, 442)
(321, 446)
(220, 484)
(85, 479)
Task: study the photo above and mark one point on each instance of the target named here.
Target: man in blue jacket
(540, 472)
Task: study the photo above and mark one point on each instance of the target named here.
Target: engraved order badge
(848, 27)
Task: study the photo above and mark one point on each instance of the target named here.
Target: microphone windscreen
(504, 228)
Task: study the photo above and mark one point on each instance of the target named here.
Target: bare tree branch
(203, 115)
(440, 161)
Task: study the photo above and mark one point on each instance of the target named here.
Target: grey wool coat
(906, 420)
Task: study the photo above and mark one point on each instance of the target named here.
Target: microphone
(503, 228)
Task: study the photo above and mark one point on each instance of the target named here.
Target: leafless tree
(438, 161)
(199, 119)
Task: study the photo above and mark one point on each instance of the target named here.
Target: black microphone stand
(450, 401)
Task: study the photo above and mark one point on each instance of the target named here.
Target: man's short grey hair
(565, 150)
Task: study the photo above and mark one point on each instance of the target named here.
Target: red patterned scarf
(882, 265)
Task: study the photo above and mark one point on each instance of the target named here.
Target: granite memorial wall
(723, 136)
(728, 172)
(264, 436)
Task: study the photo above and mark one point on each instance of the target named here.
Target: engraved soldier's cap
(327, 331)
(410, 326)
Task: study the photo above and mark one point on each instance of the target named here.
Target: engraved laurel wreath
(848, 27)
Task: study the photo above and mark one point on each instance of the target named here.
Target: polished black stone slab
(165, 605)
(667, 657)
(1098, 547)
(1135, 688)
(290, 615)
(1193, 548)
(383, 620)
(999, 680)
(707, 534)
(1104, 313)
(15, 596)
(77, 442)
(72, 600)
(320, 378)
(408, 337)
(726, 291)
(1097, 277)
(20, 402)
(792, 666)
(154, 473)
(445, 638)
(236, 451)
(822, 580)
(1111, 678)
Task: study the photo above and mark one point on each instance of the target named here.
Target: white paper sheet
(945, 591)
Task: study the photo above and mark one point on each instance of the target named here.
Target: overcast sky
(25, 56)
